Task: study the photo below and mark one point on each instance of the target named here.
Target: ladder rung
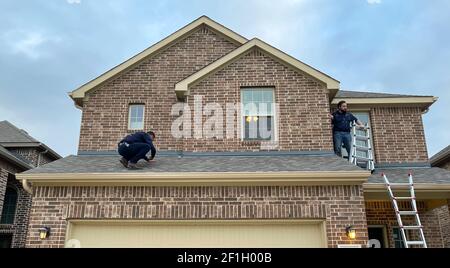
(412, 213)
(404, 198)
(362, 148)
(362, 138)
(400, 184)
(412, 227)
(415, 243)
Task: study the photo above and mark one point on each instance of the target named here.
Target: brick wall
(398, 135)
(444, 222)
(338, 205)
(303, 104)
(446, 165)
(382, 213)
(20, 226)
(32, 155)
(105, 113)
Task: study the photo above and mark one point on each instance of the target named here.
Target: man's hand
(330, 116)
(151, 160)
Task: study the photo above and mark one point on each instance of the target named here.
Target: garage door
(191, 234)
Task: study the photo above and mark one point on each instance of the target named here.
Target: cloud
(74, 2)
(27, 43)
(373, 2)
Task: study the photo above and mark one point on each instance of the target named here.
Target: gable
(78, 94)
(182, 87)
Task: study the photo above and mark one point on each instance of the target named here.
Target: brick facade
(444, 221)
(105, 112)
(382, 213)
(338, 205)
(33, 155)
(18, 230)
(302, 121)
(398, 135)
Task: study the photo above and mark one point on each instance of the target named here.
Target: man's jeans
(339, 138)
(134, 152)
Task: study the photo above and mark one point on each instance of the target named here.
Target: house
(18, 152)
(441, 159)
(228, 174)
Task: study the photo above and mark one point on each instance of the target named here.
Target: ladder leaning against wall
(420, 242)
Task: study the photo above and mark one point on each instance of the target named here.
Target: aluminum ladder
(418, 227)
(357, 159)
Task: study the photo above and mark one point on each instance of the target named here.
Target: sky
(50, 47)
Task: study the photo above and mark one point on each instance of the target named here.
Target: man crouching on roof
(135, 147)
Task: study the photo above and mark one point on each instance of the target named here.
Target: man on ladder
(342, 121)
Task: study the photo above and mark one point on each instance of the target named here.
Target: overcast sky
(50, 47)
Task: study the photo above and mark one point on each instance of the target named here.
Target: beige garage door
(190, 234)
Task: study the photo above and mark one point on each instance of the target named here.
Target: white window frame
(130, 106)
(355, 112)
(274, 112)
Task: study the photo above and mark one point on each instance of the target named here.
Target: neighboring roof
(441, 157)
(110, 164)
(364, 99)
(182, 87)
(12, 136)
(14, 159)
(78, 94)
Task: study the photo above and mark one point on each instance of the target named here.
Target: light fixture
(248, 119)
(351, 232)
(44, 232)
(255, 118)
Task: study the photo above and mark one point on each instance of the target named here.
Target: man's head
(152, 134)
(342, 106)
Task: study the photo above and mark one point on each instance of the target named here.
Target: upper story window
(9, 206)
(136, 117)
(364, 117)
(258, 116)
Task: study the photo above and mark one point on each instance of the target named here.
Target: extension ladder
(365, 148)
(418, 227)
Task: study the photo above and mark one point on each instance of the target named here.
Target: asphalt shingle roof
(10, 133)
(110, 164)
(441, 155)
(360, 94)
(420, 175)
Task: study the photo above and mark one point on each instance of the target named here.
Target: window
(136, 117)
(398, 239)
(5, 240)
(258, 116)
(364, 117)
(9, 206)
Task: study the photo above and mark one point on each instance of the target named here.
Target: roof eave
(422, 102)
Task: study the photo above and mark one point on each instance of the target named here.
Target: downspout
(27, 186)
(39, 157)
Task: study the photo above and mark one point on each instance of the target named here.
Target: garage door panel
(197, 234)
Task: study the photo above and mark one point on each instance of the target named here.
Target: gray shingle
(361, 94)
(440, 156)
(110, 164)
(420, 175)
(10, 133)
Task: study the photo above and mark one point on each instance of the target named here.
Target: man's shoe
(133, 166)
(124, 162)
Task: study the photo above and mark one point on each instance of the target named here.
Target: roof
(361, 94)
(14, 159)
(12, 136)
(369, 99)
(78, 94)
(198, 163)
(10, 133)
(182, 87)
(441, 156)
(428, 175)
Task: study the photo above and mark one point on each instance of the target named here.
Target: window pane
(9, 206)
(258, 127)
(246, 96)
(136, 116)
(268, 96)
